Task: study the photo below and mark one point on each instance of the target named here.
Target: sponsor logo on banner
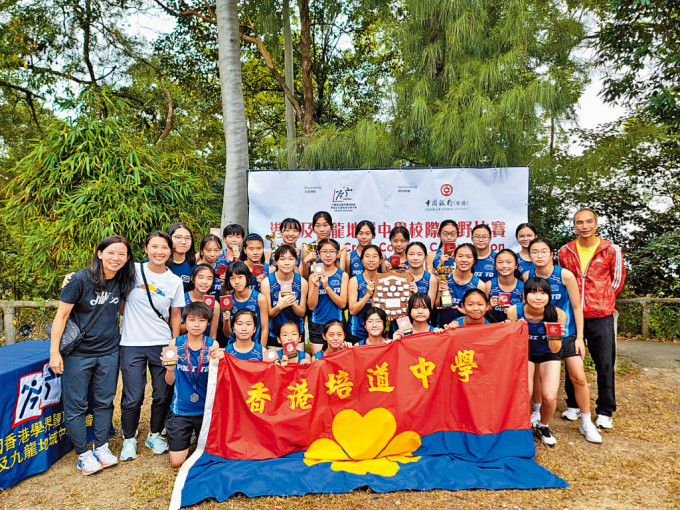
(446, 190)
(35, 392)
(342, 199)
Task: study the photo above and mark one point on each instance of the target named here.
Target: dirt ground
(637, 466)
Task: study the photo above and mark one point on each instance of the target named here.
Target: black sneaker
(544, 434)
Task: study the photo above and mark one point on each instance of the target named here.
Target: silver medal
(194, 397)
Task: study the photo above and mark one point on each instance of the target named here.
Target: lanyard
(200, 362)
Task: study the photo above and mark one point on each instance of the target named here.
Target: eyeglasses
(328, 252)
(481, 238)
(448, 235)
(186, 239)
(374, 322)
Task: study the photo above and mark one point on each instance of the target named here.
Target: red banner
(471, 379)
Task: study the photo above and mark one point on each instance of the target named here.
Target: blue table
(32, 433)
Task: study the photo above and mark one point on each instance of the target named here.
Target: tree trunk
(306, 56)
(235, 202)
(288, 66)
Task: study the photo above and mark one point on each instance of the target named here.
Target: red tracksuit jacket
(603, 279)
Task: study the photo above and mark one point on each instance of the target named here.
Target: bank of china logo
(343, 194)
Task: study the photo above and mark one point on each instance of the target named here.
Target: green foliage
(89, 178)
(638, 45)
(480, 77)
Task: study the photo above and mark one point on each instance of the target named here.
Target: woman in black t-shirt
(94, 362)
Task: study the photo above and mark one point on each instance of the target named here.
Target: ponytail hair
(252, 237)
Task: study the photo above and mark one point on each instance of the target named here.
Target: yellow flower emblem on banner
(365, 444)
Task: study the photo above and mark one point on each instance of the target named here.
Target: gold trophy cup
(446, 301)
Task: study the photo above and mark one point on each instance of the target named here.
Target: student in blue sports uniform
(424, 282)
(327, 296)
(290, 233)
(202, 279)
(209, 252)
(457, 282)
(244, 346)
(233, 239)
(360, 292)
(399, 239)
(448, 233)
(364, 233)
(287, 308)
(334, 338)
(322, 223)
(189, 376)
(484, 269)
(565, 296)
(253, 253)
(525, 233)
(375, 320)
(243, 296)
(508, 281)
(289, 332)
(475, 304)
(536, 311)
(183, 257)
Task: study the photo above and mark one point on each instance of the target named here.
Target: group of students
(243, 300)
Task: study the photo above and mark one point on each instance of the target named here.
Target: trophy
(391, 293)
(272, 239)
(554, 332)
(169, 356)
(311, 247)
(504, 300)
(446, 301)
(226, 302)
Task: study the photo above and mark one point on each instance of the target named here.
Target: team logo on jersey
(488, 267)
(554, 288)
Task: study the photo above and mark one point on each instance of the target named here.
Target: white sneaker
(104, 456)
(546, 437)
(604, 422)
(590, 432)
(129, 449)
(156, 442)
(535, 418)
(88, 463)
(571, 413)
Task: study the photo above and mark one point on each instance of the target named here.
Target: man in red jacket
(598, 266)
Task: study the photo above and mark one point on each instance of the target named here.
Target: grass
(635, 467)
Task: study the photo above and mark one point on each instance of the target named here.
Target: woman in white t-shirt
(151, 318)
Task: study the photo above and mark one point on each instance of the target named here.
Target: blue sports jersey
(186, 384)
(254, 354)
(559, 297)
(250, 304)
(524, 265)
(423, 284)
(325, 309)
(485, 269)
(356, 322)
(516, 294)
(538, 340)
(355, 265)
(287, 314)
(183, 270)
(447, 315)
(256, 286)
(437, 258)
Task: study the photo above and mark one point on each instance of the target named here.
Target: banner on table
(417, 198)
(448, 411)
(32, 433)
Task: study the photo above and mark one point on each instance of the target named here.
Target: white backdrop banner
(417, 198)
